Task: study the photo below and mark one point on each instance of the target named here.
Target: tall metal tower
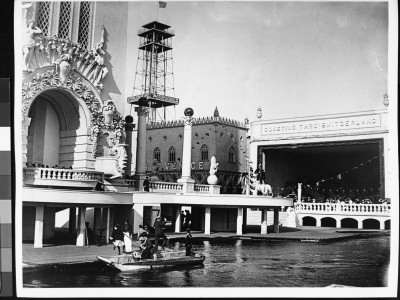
(154, 77)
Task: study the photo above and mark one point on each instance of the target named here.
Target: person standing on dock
(158, 224)
(188, 242)
(116, 237)
(127, 230)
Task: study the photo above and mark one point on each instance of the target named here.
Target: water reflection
(245, 263)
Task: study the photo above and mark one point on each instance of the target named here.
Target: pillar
(72, 219)
(276, 220)
(207, 220)
(178, 220)
(128, 140)
(338, 223)
(138, 210)
(39, 218)
(318, 222)
(107, 222)
(245, 219)
(140, 173)
(81, 234)
(25, 129)
(299, 192)
(186, 179)
(239, 221)
(264, 215)
(381, 224)
(360, 224)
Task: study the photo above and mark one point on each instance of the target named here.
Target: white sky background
(291, 59)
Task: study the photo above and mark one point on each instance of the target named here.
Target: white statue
(213, 166)
(212, 179)
(29, 41)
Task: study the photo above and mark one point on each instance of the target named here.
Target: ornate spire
(216, 113)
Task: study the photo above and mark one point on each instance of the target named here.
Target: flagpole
(158, 5)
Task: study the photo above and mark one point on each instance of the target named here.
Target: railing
(338, 208)
(202, 188)
(130, 182)
(165, 186)
(61, 177)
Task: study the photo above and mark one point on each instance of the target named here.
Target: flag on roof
(162, 4)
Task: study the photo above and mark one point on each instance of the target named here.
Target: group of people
(123, 237)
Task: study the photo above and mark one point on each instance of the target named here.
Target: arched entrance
(328, 222)
(309, 221)
(349, 223)
(57, 120)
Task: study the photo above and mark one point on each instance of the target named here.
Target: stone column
(107, 222)
(39, 218)
(338, 225)
(137, 216)
(239, 221)
(276, 220)
(360, 224)
(178, 220)
(140, 173)
(318, 222)
(81, 234)
(381, 224)
(264, 215)
(299, 192)
(128, 129)
(186, 179)
(207, 220)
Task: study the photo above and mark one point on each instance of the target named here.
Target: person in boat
(146, 246)
(128, 232)
(158, 232)
(188, 242)
(117, 237)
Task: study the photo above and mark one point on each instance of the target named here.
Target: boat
(165, 258)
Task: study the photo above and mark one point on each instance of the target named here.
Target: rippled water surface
(244, 263)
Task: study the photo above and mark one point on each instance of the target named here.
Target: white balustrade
(61, 177)
(351, 209)
(165, 186)
(201, 188)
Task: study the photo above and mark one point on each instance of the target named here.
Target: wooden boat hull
(128, 262)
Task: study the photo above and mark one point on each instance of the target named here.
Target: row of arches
(346, 223)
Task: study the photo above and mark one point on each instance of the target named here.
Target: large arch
(328, 222)
(349, 223)
(62, 97)
(371, 224)
(309, 221)
(58, 120)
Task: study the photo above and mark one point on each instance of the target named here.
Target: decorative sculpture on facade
(63, 66)
(212, 179)
(29, 43)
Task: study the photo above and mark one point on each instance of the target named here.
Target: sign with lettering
(329, 124)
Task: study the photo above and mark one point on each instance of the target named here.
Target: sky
(292, 59)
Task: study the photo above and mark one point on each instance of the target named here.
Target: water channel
(244, 263)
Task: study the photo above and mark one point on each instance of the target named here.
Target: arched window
(171, 154)
(231, 157)
(157, 155)
(204, 153)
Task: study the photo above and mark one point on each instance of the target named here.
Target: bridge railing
(338, 208)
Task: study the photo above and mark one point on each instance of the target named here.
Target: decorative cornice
(197, 121)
